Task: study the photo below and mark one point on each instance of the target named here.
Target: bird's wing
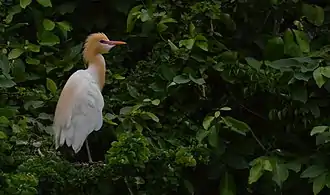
(78, 111)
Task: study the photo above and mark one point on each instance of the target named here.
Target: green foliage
(208, 97)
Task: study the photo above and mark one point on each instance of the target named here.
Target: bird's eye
(102, 41)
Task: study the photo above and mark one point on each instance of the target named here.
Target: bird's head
(98, 43)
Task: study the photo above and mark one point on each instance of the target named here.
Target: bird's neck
(96, 66)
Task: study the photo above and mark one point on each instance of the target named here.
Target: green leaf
(192, 29)
(145, 15)
(67, 8)
(15, 53)
(207, 122)
(64, 26)
(325, 71)
(274, 49)
(227, 185)
(161, 27)
(25, 3)
(33, 61)
(171, 44)
(33, 47)
(319, 183)
(302, 40)
(189, 186)
(167, 72)
(255, 173)
(3, 135)
(126, 110)
(313, 13)
(199, 81)
(45, 3)
(213, 137)
(5, 82)
(228, 21)
(180, 79)
(280, 174)
(236, 125)
(51, 86)
(4, 64)
(118, 77)
(18, 70)
(188, 43)
(313, 171)
(253, 63)
(132, 91)
(8, 111)
(132, 17)
(319, 79)
(48, 24)
(299, 94)
(4, 120)
(225, 108)
(216, 114)
(201, 134)
(294, 166)
(152, 116)
(48, 39)
(155, 102)
(318, 129)
(203, 45)
(290, 46)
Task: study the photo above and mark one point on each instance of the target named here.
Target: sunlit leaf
(155, 102)
(48, 24)
(318, 129)
(45, 3)
(118, 77)
(15, 53)
(132, 17)
(188, 43)
(25, 3)
(207, 122)
(213, 137)
(318, 77)
(152, 116)
(51, 85)
(3, 135)
(236, 125)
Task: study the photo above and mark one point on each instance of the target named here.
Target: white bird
(79, 108)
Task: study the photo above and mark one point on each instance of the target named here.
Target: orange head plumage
(98, 43)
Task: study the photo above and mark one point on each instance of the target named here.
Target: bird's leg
(88, 152)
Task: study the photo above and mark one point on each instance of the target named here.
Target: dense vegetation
(208, 97)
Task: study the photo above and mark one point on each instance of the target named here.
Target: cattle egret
(79, 108)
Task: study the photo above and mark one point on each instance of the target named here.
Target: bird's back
(78, 111)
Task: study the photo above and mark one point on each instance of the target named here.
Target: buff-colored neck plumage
(93, 58)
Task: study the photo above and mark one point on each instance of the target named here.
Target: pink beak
(116, 42)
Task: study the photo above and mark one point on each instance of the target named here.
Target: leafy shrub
(209, 97)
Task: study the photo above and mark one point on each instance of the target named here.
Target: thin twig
(252, 132)
(129, 189)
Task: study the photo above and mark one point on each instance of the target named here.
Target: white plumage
(79, 110)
